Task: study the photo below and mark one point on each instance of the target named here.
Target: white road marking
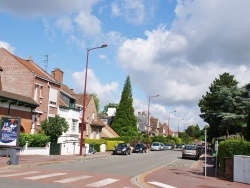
(19, 174)
(69, 180)
(102, 182)
(45, 176)
(3, 171)
(161, 184)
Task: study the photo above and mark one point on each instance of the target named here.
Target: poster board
(9, 131)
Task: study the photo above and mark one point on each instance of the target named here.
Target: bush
(229, 148)
(34, 140)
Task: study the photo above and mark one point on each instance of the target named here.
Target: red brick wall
(24, 115)
(16, 78)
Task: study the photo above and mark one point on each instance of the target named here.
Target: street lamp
(82, 143)
(168, 121)
(149, 119)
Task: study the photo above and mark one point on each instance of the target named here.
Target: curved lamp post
(149, 119)
(168, 121)
(82, 143)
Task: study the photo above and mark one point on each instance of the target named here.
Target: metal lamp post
(82, 143)
(149, 119)
(168, 121)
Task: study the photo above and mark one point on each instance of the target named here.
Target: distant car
(168, 146)
(191, 152)
(156, 146)
(139, 148)
(122, 149)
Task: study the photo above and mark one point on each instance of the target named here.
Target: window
(73, 126)
(41, 88)
(53, 97)
(35, 92)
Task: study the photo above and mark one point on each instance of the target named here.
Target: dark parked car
(191, 152)
(139, 148)
(122, 148)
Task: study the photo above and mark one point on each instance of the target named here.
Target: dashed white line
(102, 182)
(18, 174)
(45, 176)
(161, 184)
(69, 180)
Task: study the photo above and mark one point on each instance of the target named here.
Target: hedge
(229, 148)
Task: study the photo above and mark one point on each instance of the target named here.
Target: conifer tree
(125, 123)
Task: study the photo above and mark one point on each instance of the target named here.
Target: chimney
(1, 70)
(57, 74)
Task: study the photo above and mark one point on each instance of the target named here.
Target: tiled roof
(30, 65)
(79, 98)
(108, 132)
(65, 89)
(21, 100)
(98, 123)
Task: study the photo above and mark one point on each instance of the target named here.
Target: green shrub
(34, 140)
(111, 144)
(229, 148)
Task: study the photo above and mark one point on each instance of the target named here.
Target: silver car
(156, 146)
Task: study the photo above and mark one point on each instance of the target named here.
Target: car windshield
(155, 144)
(121, 145)
(190, 147)
(138, 145)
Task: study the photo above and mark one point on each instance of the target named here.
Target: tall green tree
(125, 122)
(224, 107)
(54, 127)
(193, 131)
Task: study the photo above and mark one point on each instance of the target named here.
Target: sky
(171, 48)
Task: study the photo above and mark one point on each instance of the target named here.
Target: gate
(55, 149)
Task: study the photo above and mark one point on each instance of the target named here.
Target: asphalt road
(110, 171)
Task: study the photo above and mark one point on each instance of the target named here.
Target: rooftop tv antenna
(46, 61)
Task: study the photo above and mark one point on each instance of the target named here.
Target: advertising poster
(9, 131)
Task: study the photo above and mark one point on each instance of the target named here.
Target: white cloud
(88, 24)
(106, 93)
(133, 11)
(65, 24)
(45, 8)
(7, 46)
(205, 40)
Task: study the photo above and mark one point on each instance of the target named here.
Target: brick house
(155, 126)
(45, 96)
(15, 105)
(25, 78)
(70, 107)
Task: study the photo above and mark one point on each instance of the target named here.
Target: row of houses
(29, 92)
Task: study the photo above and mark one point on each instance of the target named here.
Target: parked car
(168, 146)
(122, 148)
(156, 146)
(191, 152)
(139, 148)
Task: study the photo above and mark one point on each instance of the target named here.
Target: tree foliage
(54, 127)
(125, 122)
(224, 107)
(110, 105)
(193, 131)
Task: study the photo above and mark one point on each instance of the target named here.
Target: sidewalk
(177, 177)
(190, 177)
(31, 160)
